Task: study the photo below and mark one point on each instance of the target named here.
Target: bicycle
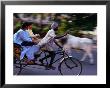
(67, 65)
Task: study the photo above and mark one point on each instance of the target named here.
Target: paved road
(87, 68)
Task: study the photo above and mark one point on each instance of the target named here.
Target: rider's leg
(41, 60)
(52, 55)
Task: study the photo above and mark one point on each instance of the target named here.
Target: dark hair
(25, 24)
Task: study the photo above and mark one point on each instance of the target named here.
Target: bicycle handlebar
(57, 44)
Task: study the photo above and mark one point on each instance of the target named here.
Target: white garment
(48, 38)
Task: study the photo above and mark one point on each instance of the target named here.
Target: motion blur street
(87, 68)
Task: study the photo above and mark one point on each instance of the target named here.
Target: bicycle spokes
(70, 67)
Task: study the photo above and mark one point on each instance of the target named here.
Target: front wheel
(70, 66)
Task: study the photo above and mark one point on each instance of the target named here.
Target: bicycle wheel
(17, 68)
(18, 64)
(70, 66)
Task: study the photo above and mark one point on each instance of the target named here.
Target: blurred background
(77, 24)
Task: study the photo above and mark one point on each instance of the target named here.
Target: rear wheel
(18, 64)
(17, 68)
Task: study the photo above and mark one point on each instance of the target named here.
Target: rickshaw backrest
(17, 48)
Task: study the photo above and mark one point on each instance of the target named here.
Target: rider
(22, 38)
(48, 39)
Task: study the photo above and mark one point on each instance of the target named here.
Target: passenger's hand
(33, 39)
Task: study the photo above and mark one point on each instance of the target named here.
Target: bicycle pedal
(47, 68)
(62, 60)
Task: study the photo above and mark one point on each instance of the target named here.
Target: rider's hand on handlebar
(66, 33)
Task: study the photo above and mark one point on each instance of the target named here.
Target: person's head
(26, 25)
(54, 26)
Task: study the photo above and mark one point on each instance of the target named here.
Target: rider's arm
(57, 37)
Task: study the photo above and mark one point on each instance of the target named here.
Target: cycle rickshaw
(67, 65)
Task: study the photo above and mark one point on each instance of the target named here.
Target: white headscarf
(54, 25)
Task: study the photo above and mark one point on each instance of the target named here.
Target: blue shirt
(20, 36)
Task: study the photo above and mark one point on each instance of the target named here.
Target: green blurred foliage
(72, 22)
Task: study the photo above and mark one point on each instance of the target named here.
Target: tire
(70, 66)
(17, 68)
(18, 65)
